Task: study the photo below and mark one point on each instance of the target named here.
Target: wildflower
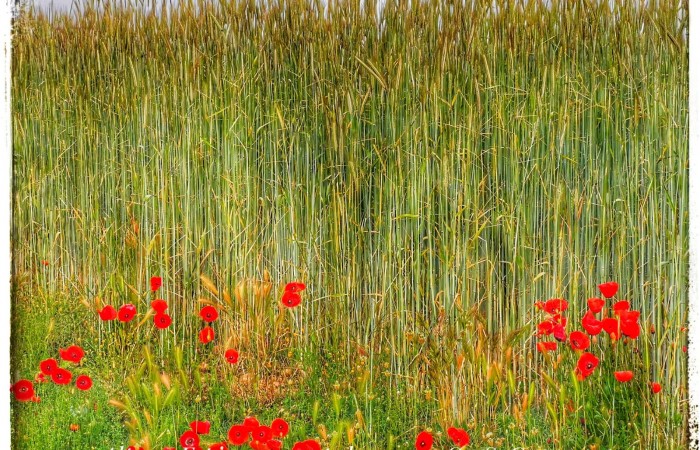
(231, 356)
(251, 423)
(544, 347)
(61, 376)
(156, 283)
(107, 313)
(48, 366)
(556, 306)
(74, 427)
(262, 433)
(83, 382)
(280, 428)
(219, 446)
(624, 377)
(585, 366)
(459, 436)
(291, 299)
(295, 286)
(559, 333)
(162, 321)
(545, 328)
(189, 439)
(206, 335)
(622, 305)
(238, 434)
(23, 390)
(127, 313)
(209, 314)
(655, 387)
(612, 327)
(579, 341)
(159, 305)
(200, 427)
(72, 354)
(595, 305)
(424, 440)
(592, 325)
(307, 445)
(608, 289)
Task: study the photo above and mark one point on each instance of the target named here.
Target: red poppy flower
(280, 428)
(251, 423)
(307, 445)
(156, 283)
(459, 436)
(231, 356)
(624, 377)
(622, 305)
(592, 325)
(44, 262)
(162, 321)
(586, 365)
(206, 335)
(107, 313)
(219, 446)
(209, 314)
(630, 329)
(545, 328)
(559, 333)
(72, 354)
(127, 313)
(200, 427)
(558, 319)
(23, 390)
(655, 387)
(596, 305)
(36, 399)
(259, 445)
(295, 286)
(48, 366)
(274, 444)
(61, 376)
(612, 327)
(628, 316)
(424, 441)
(556, 305)
(290, 299)
(544, 347)
(608, 289)
(40, 377)
(262, 433)
(83, 382)
(189, 439)
(238, 434)
(579, 341)
(159, 305)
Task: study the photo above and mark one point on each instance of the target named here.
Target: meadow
(430, 174)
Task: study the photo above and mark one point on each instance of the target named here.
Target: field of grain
(429, 170)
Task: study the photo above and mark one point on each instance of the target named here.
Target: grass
(429, 176)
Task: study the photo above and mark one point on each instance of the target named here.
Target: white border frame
(5, 218)
(694, 225)
(694, 228)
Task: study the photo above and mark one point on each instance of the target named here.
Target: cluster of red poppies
(259, 437)
(24, 389)
(623, 322)
(459, 437)
(292, 297)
